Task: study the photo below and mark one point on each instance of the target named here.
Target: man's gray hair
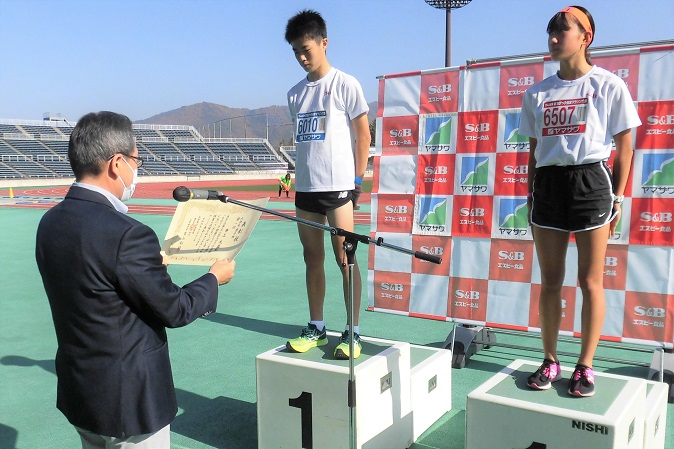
(96, 138)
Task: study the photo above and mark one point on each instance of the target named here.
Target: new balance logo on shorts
(343, 194)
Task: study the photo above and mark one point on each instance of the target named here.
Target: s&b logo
(439, 170)
(392, 287)
(477, 127)
(653, 312)
(441, 89)
(474, 212)
(405, 132)
(395, 209)
(621, 73)
(467, 294)
(521, 82)
(432, 250)
(656, 217)
(516, 169)
(655, 120)
(511, 255)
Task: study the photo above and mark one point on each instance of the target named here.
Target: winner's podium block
(302, 399)
(655, 421)
(431, 387)
(505, 413)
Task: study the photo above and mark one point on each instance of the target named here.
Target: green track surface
(214, 358)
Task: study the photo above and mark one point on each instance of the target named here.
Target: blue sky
(144, 57)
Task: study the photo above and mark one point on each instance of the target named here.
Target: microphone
(428, 257)
(183, 194)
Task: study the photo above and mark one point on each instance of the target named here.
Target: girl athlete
(570, 119)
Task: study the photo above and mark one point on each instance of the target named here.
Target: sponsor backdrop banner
(450, 179)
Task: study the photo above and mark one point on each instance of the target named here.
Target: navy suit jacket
(111, 301)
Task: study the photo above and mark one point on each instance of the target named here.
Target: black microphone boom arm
(337, 231)
(183, 194)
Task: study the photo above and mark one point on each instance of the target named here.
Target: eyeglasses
(139, 161)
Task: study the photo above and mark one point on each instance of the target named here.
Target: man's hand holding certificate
(202, 232)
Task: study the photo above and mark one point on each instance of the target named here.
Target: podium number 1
(303, 402)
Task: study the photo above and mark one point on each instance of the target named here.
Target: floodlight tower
(448, 5)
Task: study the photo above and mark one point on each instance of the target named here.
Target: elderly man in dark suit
(112, 298)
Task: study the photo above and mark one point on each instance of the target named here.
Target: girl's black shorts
(572, 198)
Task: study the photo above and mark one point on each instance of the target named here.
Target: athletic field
(214, 358)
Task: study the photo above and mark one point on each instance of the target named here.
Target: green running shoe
(342, 349)
(311, 337)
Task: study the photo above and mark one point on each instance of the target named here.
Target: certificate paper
(202, 232)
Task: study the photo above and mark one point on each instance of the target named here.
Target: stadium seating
(43, 131)
(173, 134)
(170, 154)
(204, 157)
(8, 172)
(289, 154)
(32, 148)
(18, 155)
(233, 156)
(58, 163)
(9, 130)
(141, 133)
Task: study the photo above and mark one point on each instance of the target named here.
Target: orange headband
(580, 17)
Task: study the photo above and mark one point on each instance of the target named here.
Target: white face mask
(128, 191)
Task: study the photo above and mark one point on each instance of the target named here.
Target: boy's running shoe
(542, 379)
(342, 349)
(311, 337)
(581, 383)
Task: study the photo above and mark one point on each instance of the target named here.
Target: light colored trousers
(160, 439)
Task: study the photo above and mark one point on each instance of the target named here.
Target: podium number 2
(303, 402)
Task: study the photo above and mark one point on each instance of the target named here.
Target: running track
(46, 197)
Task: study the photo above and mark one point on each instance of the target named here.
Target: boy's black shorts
(321, 202)
(572, 198)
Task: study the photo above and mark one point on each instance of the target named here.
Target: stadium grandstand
(31, 149)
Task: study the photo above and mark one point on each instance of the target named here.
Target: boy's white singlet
(322, 112)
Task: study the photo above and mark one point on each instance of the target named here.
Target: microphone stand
(350, 244)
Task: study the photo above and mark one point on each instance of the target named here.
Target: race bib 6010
(310, 126)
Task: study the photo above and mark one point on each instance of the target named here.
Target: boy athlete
(332, 137)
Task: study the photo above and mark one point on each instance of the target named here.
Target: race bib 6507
(564, 117)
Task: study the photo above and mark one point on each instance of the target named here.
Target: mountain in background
(215, 120)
